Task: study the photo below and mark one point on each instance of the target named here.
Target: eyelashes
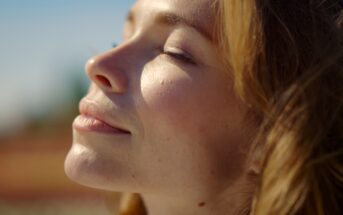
(179, 56)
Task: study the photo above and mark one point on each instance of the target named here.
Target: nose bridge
(110, 69)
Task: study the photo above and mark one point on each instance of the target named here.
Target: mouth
(93, 119)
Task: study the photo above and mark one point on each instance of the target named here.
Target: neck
(234, 200)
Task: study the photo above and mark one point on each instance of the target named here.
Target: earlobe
(254, 169)
(255, 163)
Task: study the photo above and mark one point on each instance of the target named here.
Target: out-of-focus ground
(32, 178)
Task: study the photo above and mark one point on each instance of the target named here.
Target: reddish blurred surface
(31, 165)
(31, 171)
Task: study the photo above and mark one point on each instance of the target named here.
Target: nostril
(103, 80)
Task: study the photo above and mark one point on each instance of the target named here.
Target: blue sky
(42, 43)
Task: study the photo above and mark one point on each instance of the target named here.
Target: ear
(255, 162)
(254, 168)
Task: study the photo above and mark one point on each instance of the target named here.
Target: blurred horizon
(43, 48)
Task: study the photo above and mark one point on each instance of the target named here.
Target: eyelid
(180, 55)
(178, 51)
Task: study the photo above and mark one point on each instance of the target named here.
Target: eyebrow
(173, 19)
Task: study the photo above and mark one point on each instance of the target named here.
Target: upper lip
(92, 109)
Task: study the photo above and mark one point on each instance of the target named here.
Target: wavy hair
(287, 61)
(286, 57)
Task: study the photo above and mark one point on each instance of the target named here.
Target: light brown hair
(287, 61)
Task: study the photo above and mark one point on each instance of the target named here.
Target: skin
(166, 84)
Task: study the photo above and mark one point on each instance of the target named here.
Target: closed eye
(184, 58)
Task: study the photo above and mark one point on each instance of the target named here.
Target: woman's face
(166, 86)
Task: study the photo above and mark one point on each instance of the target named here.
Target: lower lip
(91, 124)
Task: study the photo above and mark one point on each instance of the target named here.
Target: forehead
(195, 7)
(197, 11)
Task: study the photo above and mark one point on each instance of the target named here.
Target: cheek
(191, 130)
(169, 95)
(187, 103)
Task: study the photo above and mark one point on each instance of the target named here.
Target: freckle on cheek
(201, 204)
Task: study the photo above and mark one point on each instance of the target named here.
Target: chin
(85, 166)
(79, 165)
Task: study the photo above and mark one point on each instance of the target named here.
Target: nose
(107, 72)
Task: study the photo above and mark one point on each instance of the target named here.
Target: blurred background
(43, 48)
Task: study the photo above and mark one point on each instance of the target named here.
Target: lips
(94, 119)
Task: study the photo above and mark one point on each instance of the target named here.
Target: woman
(218, 107)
